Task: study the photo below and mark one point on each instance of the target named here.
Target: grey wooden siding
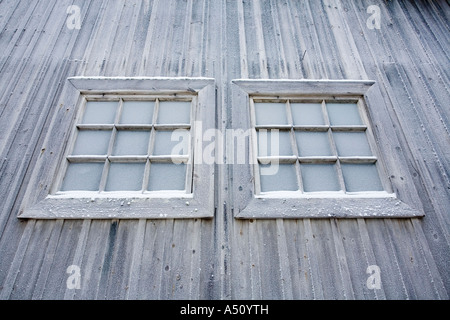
(225, 258)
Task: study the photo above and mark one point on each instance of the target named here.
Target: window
(312, 152)
(135, 144)
(316, 146)
(131, 151)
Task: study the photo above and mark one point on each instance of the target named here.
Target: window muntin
(270, 201)
(320, 147)
(130, 144)
(192, 196)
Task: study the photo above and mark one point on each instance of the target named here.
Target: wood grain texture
(225, 257)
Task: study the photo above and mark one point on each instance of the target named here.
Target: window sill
(176, 207)
(327, 207)
(324, 195)
(120, 195)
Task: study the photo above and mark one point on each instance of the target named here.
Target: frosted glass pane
(100, 112)
(274, 143)
(131, 143)
(174, 112)
(352, 144)
(92, 143)
(270, 113)
(305, 114)
(125, 177)
(341, 114)
(82, 176)
(167, 176)
(313, 144)
(137, 112)
(319, 177)
(361, 177)
(283, 179)
(165, 146)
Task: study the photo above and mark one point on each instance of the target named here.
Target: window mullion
(333, 147)
(254, 148)
(146, 175)
(71, 143)
(151, 143)
(294, 147)
(93, 127)
(373, 147)
(85, 158)
(190, 162)
(110, 147)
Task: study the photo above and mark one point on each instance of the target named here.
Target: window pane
(137, 112)
(270, 113)
(174, 112)
(307, 114)
(361, 177)
(313, 143)
(319, 177)
(171, 142)
(92, 143)
(131, 143)
(352, 144)
(278, 177)
(167, 176)
(83, 176)
(274, 143)
(125, 176)
(341, 114)
(100, 112)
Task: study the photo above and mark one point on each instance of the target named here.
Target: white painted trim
(325, 195)
(303, 87)
(384, 207)
(295, 204)
(176, 194)
(139, 84)
(131, 205)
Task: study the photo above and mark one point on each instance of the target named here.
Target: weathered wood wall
(223, 257)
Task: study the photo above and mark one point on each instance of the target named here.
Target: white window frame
(120, 98)
(196, 201)
(296, 159)
(295, 204)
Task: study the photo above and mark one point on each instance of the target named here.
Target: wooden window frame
(296, 159)
(109, 157)
(252, 204)
(196, 201)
